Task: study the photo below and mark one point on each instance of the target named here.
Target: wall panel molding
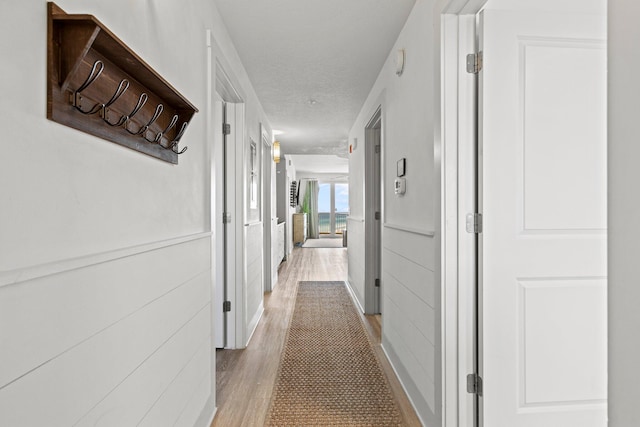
(12, 277)
(420, 231)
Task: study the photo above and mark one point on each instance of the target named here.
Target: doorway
(333, 208)
(532, 314)
(373, 214)
(227, 140)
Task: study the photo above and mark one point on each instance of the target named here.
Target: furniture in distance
(299, 228)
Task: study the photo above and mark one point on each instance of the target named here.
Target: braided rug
(329, 374)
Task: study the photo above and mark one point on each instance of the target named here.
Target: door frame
(374, 135)
(229, 241)
(268, 218)
(332, 182)
(459, 197)
(462, 350)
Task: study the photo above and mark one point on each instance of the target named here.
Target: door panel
(542, 150)
(218, 226)
(234, 224)
(377, 200)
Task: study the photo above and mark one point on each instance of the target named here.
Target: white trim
(353, 296)
(238, 301)
(449, 225)
(270, 272)
(253, 323)
(420, 231)
(12, 277)
(208, 414)
(372, 294)
(458, 193)
(467, 175)
(211, 207)
(464, 7)
(391, 359)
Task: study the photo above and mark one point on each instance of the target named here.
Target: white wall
(410, 282)
(105, 253)
(253, 282)
(282, 194)
(624, 209)
(355, 222)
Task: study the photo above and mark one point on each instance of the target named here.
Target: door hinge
(226, 129)
(474, 384)
(226, 218)
(378, 149)
(377, 283)
(474, 63)
(226, 306)
(474, 223)
(377, 215)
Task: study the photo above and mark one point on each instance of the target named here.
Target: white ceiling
(299, 51)
(320, 164)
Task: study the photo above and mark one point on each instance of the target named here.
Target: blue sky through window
(342, 198)
(324, 198)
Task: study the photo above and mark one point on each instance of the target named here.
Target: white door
(233, 222)
(377, 201)
(542, 184)
(218, 224)
(373, 214)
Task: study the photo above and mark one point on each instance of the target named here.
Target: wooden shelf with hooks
(97, 84)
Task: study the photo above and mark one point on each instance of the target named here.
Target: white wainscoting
(410, 314)
(254, 273)
(122, 340)
(356, 258)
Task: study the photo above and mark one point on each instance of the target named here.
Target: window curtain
(312, 216)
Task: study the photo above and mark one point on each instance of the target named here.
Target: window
(333, 207)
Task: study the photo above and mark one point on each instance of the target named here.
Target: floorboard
(246, 377)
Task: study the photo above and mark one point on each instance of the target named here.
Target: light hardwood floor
(245, 378)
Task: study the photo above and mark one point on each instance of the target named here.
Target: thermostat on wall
(400, 186)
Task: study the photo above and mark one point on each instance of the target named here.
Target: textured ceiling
(320, 163)
(313, 62)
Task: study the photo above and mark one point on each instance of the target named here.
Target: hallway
(245, 378)
(119, 257)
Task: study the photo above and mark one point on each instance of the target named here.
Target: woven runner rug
(329, 374)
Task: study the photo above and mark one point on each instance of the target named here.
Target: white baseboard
(253, 325)
(208, 413)
(427, 419)
(353, 296)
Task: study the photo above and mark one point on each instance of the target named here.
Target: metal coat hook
(124, 120)
(157, 113)
(96, 70)
(174, 148)
(172, 123)
(179, 135)
(91, 78)
(122, 88)
(174, 144)
(144, 128)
